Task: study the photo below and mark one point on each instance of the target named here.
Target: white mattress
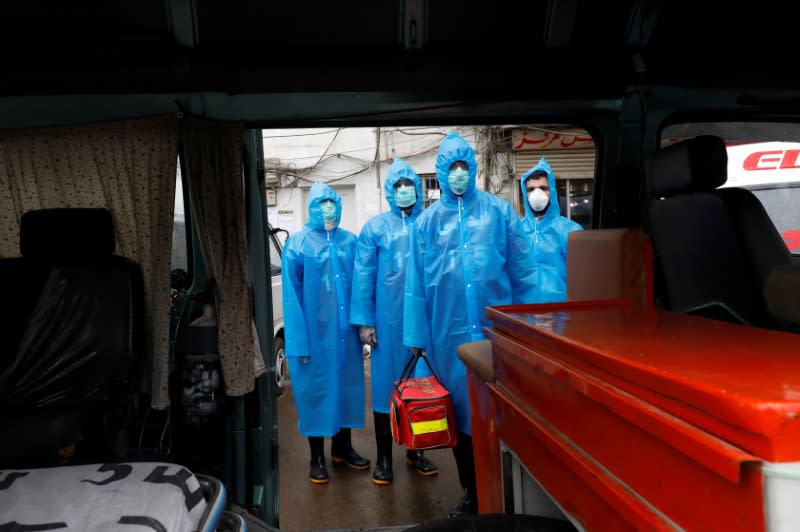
(132, 497)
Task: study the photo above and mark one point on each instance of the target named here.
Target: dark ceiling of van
(540, 48)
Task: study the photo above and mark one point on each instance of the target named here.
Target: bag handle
(411, 365)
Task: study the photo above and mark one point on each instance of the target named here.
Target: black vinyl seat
(713, 247)
(67, 359)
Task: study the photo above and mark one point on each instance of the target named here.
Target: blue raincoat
(317, 270)
(548, 240)
(467, 253)
(379, 283)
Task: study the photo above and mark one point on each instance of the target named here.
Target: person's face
(328, 208)
(405, 193)
(538, 182)
(403, 182)
(459, 165)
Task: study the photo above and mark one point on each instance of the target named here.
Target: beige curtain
(128, 167)
(212, 156)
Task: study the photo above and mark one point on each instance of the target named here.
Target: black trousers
(383, 435)
(465, 463)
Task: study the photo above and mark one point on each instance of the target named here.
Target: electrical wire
(304, 173)
(296, 135)
(368, 148)
(328, 147)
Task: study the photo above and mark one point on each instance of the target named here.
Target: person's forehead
(536, 181)
(460, 163)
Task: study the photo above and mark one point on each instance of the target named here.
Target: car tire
(281, 366)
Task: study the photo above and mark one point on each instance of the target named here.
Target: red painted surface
(637, 418)
(740, 384)
(580, 487)
(486, 447)
(662, 459)
(792, 239)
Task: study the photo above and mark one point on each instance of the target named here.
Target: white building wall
(346, 159)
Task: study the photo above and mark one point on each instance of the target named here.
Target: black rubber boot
(465, 463)
(421, 464)
(318, 473)
(383, 474)
(342, 452)
(466, 506)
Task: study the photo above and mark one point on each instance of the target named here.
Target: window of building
(430, 188)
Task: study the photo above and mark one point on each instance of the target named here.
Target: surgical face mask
(457, 180)
(405, 196)
(538, 200)
(328, 209)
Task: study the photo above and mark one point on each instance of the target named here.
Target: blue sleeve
(521, 264)
(365, 272)
(294, 320)
(416, 328)
(422, 369)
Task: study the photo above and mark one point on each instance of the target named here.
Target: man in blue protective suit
(323, 349)
(379, 281)
(547, 231)
(468, 251)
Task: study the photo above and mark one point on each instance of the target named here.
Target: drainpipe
(568, 195)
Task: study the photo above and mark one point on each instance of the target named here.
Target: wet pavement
(350, 501)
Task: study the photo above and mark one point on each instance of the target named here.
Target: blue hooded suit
(548, 240)
(379, 282)
(467, 253)
(317, 270)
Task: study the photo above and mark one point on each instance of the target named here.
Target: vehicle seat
(713, 248)
(75, 331)
(621, 263)
(782, 294)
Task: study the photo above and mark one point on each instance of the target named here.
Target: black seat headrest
(66, 235)
(693, 165)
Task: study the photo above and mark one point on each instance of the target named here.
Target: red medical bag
(421, 410)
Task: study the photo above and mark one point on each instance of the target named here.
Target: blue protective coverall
(379, 283)
(467, 253)
(548, 240)
(317, 270)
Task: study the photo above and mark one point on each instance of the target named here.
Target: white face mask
(538, 200)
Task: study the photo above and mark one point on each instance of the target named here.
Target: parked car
(278, 351)
(180, 261)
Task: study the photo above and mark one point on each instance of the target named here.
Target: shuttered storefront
(566, 164)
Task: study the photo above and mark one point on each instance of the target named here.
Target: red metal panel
(579, 485)
(485, 447)
(740, 383)
(666, 461)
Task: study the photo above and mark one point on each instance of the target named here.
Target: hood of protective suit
(454, 148)
(553, 210)
(320, 192)
(397, 171)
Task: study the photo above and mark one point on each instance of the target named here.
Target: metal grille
(430, 188)
(566, 164)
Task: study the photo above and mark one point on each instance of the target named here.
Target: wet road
(350, 500)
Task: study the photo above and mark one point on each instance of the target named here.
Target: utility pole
(378, 166)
